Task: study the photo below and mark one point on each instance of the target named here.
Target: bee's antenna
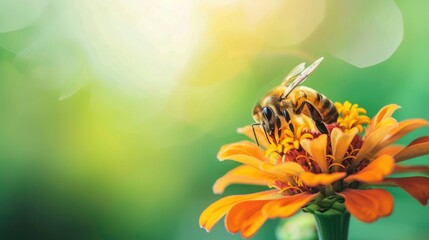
(254, 133)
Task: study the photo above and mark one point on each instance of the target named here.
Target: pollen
(287, 141)
(351, 116)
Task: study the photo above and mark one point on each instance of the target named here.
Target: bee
(290, 99)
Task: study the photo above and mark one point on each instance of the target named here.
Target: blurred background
(112, 111)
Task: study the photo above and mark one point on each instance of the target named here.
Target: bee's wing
(301, 77)
(293, 73)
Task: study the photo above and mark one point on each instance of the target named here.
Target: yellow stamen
(301, 156)
(287, 140)
(310, 165)
(354, 151)
(337, 164)
(288, 148)
(298, 181)
(285, 189)
(351, 116)
(349, 157)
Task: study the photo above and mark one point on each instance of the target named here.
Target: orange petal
(340, 142)
(317, 149)
(243, 152)
(375, 171)
(368, 205)
(213, 213)
(384, 113)
(417, 187)
(287, 206)
(246, 217)
(249, 154)
(283, 170)
(314, 180)
(391, 150)
(403, 129)
(247, 130)
(242, 174)
(406, 169)
(416, 148)
(372, 140)
(243, 147)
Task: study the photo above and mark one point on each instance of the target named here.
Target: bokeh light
(112, 112)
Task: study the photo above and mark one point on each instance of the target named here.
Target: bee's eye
(268, 113)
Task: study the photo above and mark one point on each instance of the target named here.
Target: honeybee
(290, 99)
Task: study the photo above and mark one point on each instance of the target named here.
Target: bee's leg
(315, 115)
(288, 120)
(278, 125)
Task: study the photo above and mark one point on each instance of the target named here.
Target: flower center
(286, 146)
(282, 144)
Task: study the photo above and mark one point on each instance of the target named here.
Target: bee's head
(266, 117)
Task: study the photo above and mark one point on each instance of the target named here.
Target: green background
(112, 112)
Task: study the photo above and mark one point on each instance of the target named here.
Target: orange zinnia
(320, 173)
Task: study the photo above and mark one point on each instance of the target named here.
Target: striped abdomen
(325, 106)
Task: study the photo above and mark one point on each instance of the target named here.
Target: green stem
(332, 224)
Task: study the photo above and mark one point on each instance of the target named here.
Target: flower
(319, 172)
(350, 116)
